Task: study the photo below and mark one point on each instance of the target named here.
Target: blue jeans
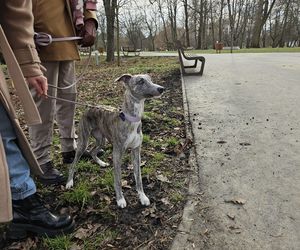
(21, 184)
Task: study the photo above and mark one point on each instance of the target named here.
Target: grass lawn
(100, 224)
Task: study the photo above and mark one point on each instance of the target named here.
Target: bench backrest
(129, 49)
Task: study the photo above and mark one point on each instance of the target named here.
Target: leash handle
(44, 39)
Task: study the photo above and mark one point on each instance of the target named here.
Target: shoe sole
(17, 231)
(58, 181)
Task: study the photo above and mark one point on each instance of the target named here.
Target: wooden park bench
(184, 56)
(84, 51)
(127, 50)
(233, 48)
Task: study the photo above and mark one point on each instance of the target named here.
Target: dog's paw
(101, 163)
(69, 184)
(144, 199)
(121, 203)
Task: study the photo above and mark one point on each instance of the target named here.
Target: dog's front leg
(117, 161)
(136, 160)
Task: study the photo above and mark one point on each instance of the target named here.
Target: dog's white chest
(134, 139)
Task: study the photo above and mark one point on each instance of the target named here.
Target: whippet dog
(121, 128)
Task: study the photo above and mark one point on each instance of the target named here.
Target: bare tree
(186, 23)
(101, 35)
(221, 21)
(245, 22)
(199, 23)
(201, 15)
(110, 12)
(132, 24)
(160, 5)
(263, 10)
(212, 23)
(284, 23)
(151, 20)
(231, 8)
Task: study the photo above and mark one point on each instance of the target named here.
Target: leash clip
(42, 39)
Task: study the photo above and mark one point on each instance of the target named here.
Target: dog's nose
(160, 89)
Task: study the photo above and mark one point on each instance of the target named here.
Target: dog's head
(141, 86)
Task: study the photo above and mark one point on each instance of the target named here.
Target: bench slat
(127, 50)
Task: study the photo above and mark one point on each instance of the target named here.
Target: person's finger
(37, 88)
(44, 85)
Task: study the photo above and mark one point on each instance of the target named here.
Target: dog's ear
(124, 78)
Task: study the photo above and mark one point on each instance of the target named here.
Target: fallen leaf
(233, 227)
(204, 232)
(81, 233)
(75, 247)
(165, 201)
(231, 216)
(125, 184)
(130, 167)
(107, 199)
(162, 178)
(237, 201)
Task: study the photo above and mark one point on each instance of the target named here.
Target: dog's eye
(141, 82)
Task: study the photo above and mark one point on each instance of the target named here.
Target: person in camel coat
(57, 18)
(19, 201)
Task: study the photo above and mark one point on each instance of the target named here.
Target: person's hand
(39, 83)
(88, 33)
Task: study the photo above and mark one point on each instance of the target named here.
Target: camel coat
(17, 22)
(54, 17)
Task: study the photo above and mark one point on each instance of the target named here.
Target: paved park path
(245, 188)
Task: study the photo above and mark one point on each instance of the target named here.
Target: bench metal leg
(193, 73)
(192, 66)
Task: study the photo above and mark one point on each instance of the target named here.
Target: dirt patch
(100, 224)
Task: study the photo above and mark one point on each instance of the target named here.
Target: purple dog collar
(130, 118)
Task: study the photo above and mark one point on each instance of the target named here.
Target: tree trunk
(118, 35)
(212, 24)
(186, 23)
(201, 25)
(221, 22)
(261, 16)
(230, 24)
(284, 25)
(110, 12)
(163, 21)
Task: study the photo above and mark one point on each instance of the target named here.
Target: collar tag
(128, 117)
(122, 116)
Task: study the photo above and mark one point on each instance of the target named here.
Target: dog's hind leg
(117, 160)
(100, 140)
(83, 138)
(136, 160)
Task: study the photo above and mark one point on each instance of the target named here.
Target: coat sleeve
(17, 22)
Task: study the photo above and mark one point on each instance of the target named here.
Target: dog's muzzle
(160, 90)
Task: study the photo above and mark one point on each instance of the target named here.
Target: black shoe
(30, 216)
(51, 175)
(68, 157)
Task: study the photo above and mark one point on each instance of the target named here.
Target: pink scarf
(78, 7)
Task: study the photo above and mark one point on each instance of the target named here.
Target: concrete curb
(181, 240)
